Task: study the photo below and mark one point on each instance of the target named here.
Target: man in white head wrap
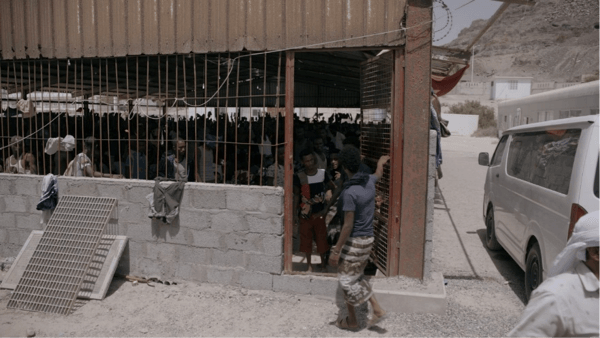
(566, 305)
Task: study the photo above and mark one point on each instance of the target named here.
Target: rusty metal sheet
(184, 32)
(89, 29)
(18, 21)
(75, 44)
(119, 27)
(256, 34)
(6, 29)
(355, 22)
(61, 44)
(334, 22)
(150, 27)
(293, 20)
(93, 28)
(288, 196)
(315, 24)
(166, 26)
(201, 26)
(274, 25)
(236, 34)
(134, 26)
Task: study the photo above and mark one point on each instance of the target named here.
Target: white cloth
(65, 144)
(77, 166)
(18, 167)
(585, 235)
(562, 306)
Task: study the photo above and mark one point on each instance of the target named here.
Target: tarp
(443, 85)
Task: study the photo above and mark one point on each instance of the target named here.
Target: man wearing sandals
(356, 239)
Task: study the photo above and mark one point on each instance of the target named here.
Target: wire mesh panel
(376, 93)
(58, 266)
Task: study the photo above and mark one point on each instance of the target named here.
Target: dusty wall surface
(471, 88)
(461, 124)
(224, 234)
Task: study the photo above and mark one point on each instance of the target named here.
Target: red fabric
(443, 85)
(313, 228)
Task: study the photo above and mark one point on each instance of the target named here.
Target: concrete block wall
(431, 175)
(224, 234)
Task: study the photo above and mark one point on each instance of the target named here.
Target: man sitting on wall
(19, 162)
(310, 186)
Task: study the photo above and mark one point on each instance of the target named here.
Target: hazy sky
(461, 17)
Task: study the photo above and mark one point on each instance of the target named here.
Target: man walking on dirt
(356, 239)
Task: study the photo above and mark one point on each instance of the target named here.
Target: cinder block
(292, 284)
(7, 185)
(272, 204)
(192, 255)
(324, 286)
(261, 223)
(194, 218)
(146, 267)
(256, 280)
(3, 238)
(18, 236)
(137, 250)
(272, 245)
(163, 252)
(117, 191)
(137, 194)
(180, 235)
(29, 186)
(2, 204)
(227, 258)
(15, 203)
(7, 220)
(206, 239)
(132, 212)
(244, 200)
(242, 241)
(263, 263)
(191, 272)
(226, 276)
(228, 221)
(81, 187)
(29, 221)
(208, 198)
(140, 232)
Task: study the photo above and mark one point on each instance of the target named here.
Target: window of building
(593, 111)
(575, 113)
(544, 158)
(563, 114)
(513, 84)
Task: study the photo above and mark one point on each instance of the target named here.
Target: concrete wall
(471, 88)
(224, 234)
(461, 124)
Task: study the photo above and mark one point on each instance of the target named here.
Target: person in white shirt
(566, 304)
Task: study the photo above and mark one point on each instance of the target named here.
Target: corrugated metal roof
(101, 28)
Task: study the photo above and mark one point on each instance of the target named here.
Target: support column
(288, 199)
(417, 89)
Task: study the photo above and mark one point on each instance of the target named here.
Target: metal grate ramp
(58, 266)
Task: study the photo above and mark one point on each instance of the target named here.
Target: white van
(542, 178)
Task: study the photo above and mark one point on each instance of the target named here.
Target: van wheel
(490, 234)
(533, 270)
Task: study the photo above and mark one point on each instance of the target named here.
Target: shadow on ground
(507, 267)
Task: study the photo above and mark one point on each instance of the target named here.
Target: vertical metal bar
(249, 118)
(416, 139)
(120, 168)
(22, 117)
(3, 133)
(160, 117)
(91, 114)
(75, 91)
(196, 159)
(217, 117)
(289, 162)
(262, 136)
(185, 105)
(129, 114)
(108, 130)
(147, 114)
(205, 113)
(229, 65)
(237, 95)
(396, 144)
(277, 105)
(32, 139)
(166, 112)
(35, 120)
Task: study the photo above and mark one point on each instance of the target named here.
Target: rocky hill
(555, 40)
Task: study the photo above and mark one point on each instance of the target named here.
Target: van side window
(544, 158)
(596, 180)
(497, 158)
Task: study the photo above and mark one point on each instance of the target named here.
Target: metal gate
(376, 106)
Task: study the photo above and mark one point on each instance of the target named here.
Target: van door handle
(497, 175)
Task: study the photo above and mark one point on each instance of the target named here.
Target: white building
(510, 87)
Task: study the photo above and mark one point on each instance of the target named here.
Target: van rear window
(544, 158)
(596, 180)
